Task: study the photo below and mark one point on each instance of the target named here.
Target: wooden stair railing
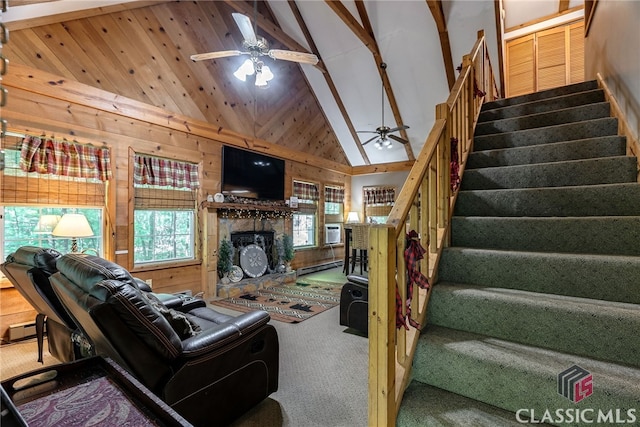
(624, 128)
(424, 204)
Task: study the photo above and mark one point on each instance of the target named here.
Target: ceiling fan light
(260, 80)
(246, 69)
(267, 74)
(378, 145)
(386, 143)
(240, 75)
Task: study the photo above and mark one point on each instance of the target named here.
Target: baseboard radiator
(20, 331)
(319, 267)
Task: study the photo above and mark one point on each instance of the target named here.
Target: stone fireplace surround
(245, 231)
(242, 232)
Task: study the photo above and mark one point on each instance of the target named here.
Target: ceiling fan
(384, 132)
(256, 47)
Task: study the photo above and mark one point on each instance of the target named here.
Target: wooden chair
(359, 243)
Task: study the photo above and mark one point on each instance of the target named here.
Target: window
(333, 212)
(332, 208)
(378, 202)
(164, 209)
(20, 228)
(333, 204)
(163, 235)
(304, 230)
(304, 220)
(44, 179)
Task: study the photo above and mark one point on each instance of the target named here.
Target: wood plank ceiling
(141, 49)
(143, 54)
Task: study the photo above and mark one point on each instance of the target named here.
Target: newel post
(382, 330)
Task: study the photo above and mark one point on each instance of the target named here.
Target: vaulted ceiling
(141, 50)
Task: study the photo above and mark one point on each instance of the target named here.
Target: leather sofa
(208, 366)
(354, 304)
(28, 269)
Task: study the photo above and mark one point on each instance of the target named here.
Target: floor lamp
(73, 226)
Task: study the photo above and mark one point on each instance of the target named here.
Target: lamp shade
(353, 217)
(73, 225)
(46, 224)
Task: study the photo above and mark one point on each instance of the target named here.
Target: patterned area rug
(290, 303)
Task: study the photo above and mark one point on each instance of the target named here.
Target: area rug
(290, 303)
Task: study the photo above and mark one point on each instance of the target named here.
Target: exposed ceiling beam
(383, 168)
(435, 6)
(351, 22)
(564, 5)
(332, 87)
(364, 17)
(271, 29)
(365, 34)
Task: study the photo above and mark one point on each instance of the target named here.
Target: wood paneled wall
(39, 104)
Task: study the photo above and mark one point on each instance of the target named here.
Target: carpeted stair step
(544, 94)
(492, 311)
(589, 200)
(543, 105)
(550, 118)
(606, 277)
(519, 378)
(605, 146)
(426, 406)
(614, 235)
(605, 170)
(557, 133)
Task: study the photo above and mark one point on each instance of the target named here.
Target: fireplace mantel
(250, 208)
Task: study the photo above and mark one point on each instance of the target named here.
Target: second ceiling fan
(384, 132)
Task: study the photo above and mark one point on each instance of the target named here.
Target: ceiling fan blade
(367, 131)
(287, 55)
(369, 140)
(397, 138)
(219, 54)
(244, 24)
(403, 127)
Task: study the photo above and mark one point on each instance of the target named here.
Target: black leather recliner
(354, 304)
(28, 269)
(208, 366)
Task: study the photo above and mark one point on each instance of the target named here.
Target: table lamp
(73, 226)
(353, 217)
(46, 224)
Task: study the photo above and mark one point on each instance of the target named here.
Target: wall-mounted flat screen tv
(252, 175)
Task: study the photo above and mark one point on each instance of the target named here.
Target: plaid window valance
(64, 158)
(165, 172)
(306, 191)
(334, 194)
(379, 195)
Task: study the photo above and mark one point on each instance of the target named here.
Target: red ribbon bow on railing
(413, 253)
(455, 165)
